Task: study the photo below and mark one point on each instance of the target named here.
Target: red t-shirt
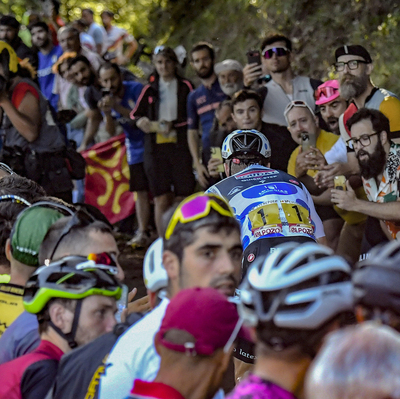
(20, 91)
(155, 390)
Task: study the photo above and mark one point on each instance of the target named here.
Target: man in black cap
(354, 66)
(9, 28)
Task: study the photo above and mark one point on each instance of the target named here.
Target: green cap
(29, 231)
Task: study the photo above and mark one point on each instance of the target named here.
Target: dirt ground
(131, 260)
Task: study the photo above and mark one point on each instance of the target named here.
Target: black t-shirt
(282, 145)
(92, 96)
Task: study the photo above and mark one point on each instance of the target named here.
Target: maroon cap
(207, 315)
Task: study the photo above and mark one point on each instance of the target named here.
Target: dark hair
(379, 121)
(243, 95)
(70, 28)
(9, 20)
(80, 23)
(9, 211)
(89, 10)
(75, 240)
(276, 37)
(184, 233)
(79, 58)
(108, 12)
(39, 24)
(168, 52)
(109, 65)
(56, 5)
(203, 46)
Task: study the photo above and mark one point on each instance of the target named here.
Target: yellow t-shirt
(11, 305)
(324, 143)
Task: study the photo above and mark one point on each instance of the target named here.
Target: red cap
(207, 315)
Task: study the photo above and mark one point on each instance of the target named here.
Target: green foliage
(316, 27)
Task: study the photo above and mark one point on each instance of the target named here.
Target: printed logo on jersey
(235, 190)
(256, 174)
(270, 189)
(251, 257)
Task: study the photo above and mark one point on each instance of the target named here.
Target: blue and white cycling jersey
(269, 203)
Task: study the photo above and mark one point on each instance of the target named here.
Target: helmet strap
(70, 337)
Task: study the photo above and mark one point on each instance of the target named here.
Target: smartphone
(340, 182)
(307, 141)
(253, 56)
(216, 153)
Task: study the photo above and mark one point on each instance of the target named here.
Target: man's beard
(205, 74)
(353, 87)
(231, 88)
(375, 162)
(42, 43)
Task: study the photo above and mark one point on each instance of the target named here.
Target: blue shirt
(134, 137)
(46, 76)
(201, 106)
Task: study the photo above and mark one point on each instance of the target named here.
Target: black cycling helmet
(245, 142)
(376, 279)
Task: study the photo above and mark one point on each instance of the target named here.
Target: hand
(325, 176)
(202, 175)
(345, 200)
(251, 72)
(106, 104)
(309, 159)
(144, 124)
(141, 305)
(82, 147)
(212, 166)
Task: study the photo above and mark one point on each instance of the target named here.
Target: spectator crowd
(265, 201)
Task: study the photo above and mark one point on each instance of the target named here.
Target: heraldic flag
(107, 179)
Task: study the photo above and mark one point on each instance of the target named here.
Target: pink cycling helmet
(327, 92)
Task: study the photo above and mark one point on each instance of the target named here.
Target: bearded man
(379, 161)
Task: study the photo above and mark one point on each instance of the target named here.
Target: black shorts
(169, 169)
(262, 247)
(326, 212)
(137, 179)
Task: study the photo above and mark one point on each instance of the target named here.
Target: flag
(107, 179)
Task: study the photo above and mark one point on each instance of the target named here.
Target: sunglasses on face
(196, 207)
(279, 51)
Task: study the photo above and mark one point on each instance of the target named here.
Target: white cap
(228, 65)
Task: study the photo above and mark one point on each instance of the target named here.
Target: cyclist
(75, 301)
(376, 283)
(292, 298)
(270, 205)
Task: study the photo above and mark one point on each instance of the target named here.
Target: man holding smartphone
(284, 86)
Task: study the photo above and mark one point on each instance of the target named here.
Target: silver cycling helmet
(243, 142)
(297, 286)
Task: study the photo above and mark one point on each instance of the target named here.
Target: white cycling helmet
(154, 275)
(243, 142)
(298, 286)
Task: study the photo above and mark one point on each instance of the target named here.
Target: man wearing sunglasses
(276, 51)
(379, 161)
(202, 248)
(354, 67)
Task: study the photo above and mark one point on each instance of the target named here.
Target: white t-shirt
(133, 357)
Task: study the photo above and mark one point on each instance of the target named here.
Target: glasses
(5, 168)
(195, 207)
(16, 199)
(79, 219)
(279, 51)
(364, 140)
(352, 64)
(104, 261)
(327, 92)
(296, 103)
